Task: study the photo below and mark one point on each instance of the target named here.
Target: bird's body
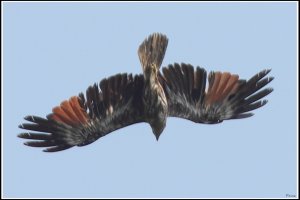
(156, 107)
(151, 53)
(151, 97)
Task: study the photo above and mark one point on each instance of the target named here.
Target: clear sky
(55, 50)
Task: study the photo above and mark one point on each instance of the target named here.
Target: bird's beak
(157, 137)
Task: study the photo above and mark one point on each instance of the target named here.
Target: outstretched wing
(227, 96)
(79, 121)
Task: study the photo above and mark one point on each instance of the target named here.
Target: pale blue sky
(55, 50)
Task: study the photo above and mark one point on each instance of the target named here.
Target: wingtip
(264, 72)
(271, 78)
(26, 144)
(264, 102)
(27, 117)
(21, 135)
(30, 118)
(268, 70)
(249, 115)
(21, 126)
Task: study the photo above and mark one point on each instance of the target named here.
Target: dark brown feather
(227, 96)
(77, 122)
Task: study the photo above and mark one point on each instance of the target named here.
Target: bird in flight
(178, 90)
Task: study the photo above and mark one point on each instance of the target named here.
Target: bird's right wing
(227, 96)
(79, 121)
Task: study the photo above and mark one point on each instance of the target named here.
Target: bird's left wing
(227, 96)
(80, 121)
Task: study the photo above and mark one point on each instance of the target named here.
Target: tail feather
(152, 50)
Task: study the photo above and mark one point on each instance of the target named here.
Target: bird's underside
(178, 90)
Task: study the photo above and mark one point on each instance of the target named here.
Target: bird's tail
(152, 51)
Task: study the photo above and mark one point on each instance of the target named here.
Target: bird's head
(157, 127)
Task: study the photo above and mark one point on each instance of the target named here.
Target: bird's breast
(155, 102)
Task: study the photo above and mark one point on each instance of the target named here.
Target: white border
(2, 71)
